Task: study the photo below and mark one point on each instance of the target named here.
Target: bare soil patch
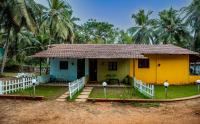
(53, 112)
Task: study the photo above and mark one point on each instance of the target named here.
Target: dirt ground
(52, 112)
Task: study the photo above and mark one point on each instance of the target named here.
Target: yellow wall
(174, 68)
(147, 75)
(194, 78)
(123, 69)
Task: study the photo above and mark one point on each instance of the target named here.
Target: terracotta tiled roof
(108, 51)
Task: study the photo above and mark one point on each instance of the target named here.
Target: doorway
(80, 68)
(93, 70)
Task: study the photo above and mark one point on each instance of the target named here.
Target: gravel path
(53, 112)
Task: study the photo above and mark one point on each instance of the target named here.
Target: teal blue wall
(64, 75)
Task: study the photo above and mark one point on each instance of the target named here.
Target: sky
(118, 12)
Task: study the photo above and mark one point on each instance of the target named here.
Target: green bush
(128, 80)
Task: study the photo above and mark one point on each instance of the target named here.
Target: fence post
(18, 82)
(153, 93)
(83, 79)
(23, 83)
(1, 87)
(70, 94)
(6, 87)
(78, 84)
(9, 86)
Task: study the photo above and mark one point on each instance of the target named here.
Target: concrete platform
(82, 96)
(61, 100)
(81, 100)
(85, 93)
(87, 90)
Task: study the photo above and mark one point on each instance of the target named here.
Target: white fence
(10, 86)
(146, 89)
(76, 86)
(16, 85)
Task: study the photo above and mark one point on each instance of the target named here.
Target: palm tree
(14, 16)
(143, 31)
(58, 20)
(171, 29)
(125, 38)
(36, 10)
(193, 18)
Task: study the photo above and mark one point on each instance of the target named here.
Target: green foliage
(142, 32)
(171, 29)
(27, 27)
(97, 32)
(192, 16)
(128, 80)
(58, 21)
(125, 38)
(168, 29)
(15, 14)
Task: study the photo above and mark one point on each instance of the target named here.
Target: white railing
(146, 89)
(76, 86)
(11, 86)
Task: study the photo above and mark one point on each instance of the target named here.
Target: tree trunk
(4, 57)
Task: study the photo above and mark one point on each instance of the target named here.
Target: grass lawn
(49, 92)
(121, 93)
(176, 91)
(127, 93)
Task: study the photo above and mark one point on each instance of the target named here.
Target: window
(195, 68)
(63, 65)
(143, 63)
(112, 66)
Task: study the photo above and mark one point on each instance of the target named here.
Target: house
(149, 63)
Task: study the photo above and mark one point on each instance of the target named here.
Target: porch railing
(76, 86)
(145, 89)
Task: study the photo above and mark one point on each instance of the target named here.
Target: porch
(98, 70)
